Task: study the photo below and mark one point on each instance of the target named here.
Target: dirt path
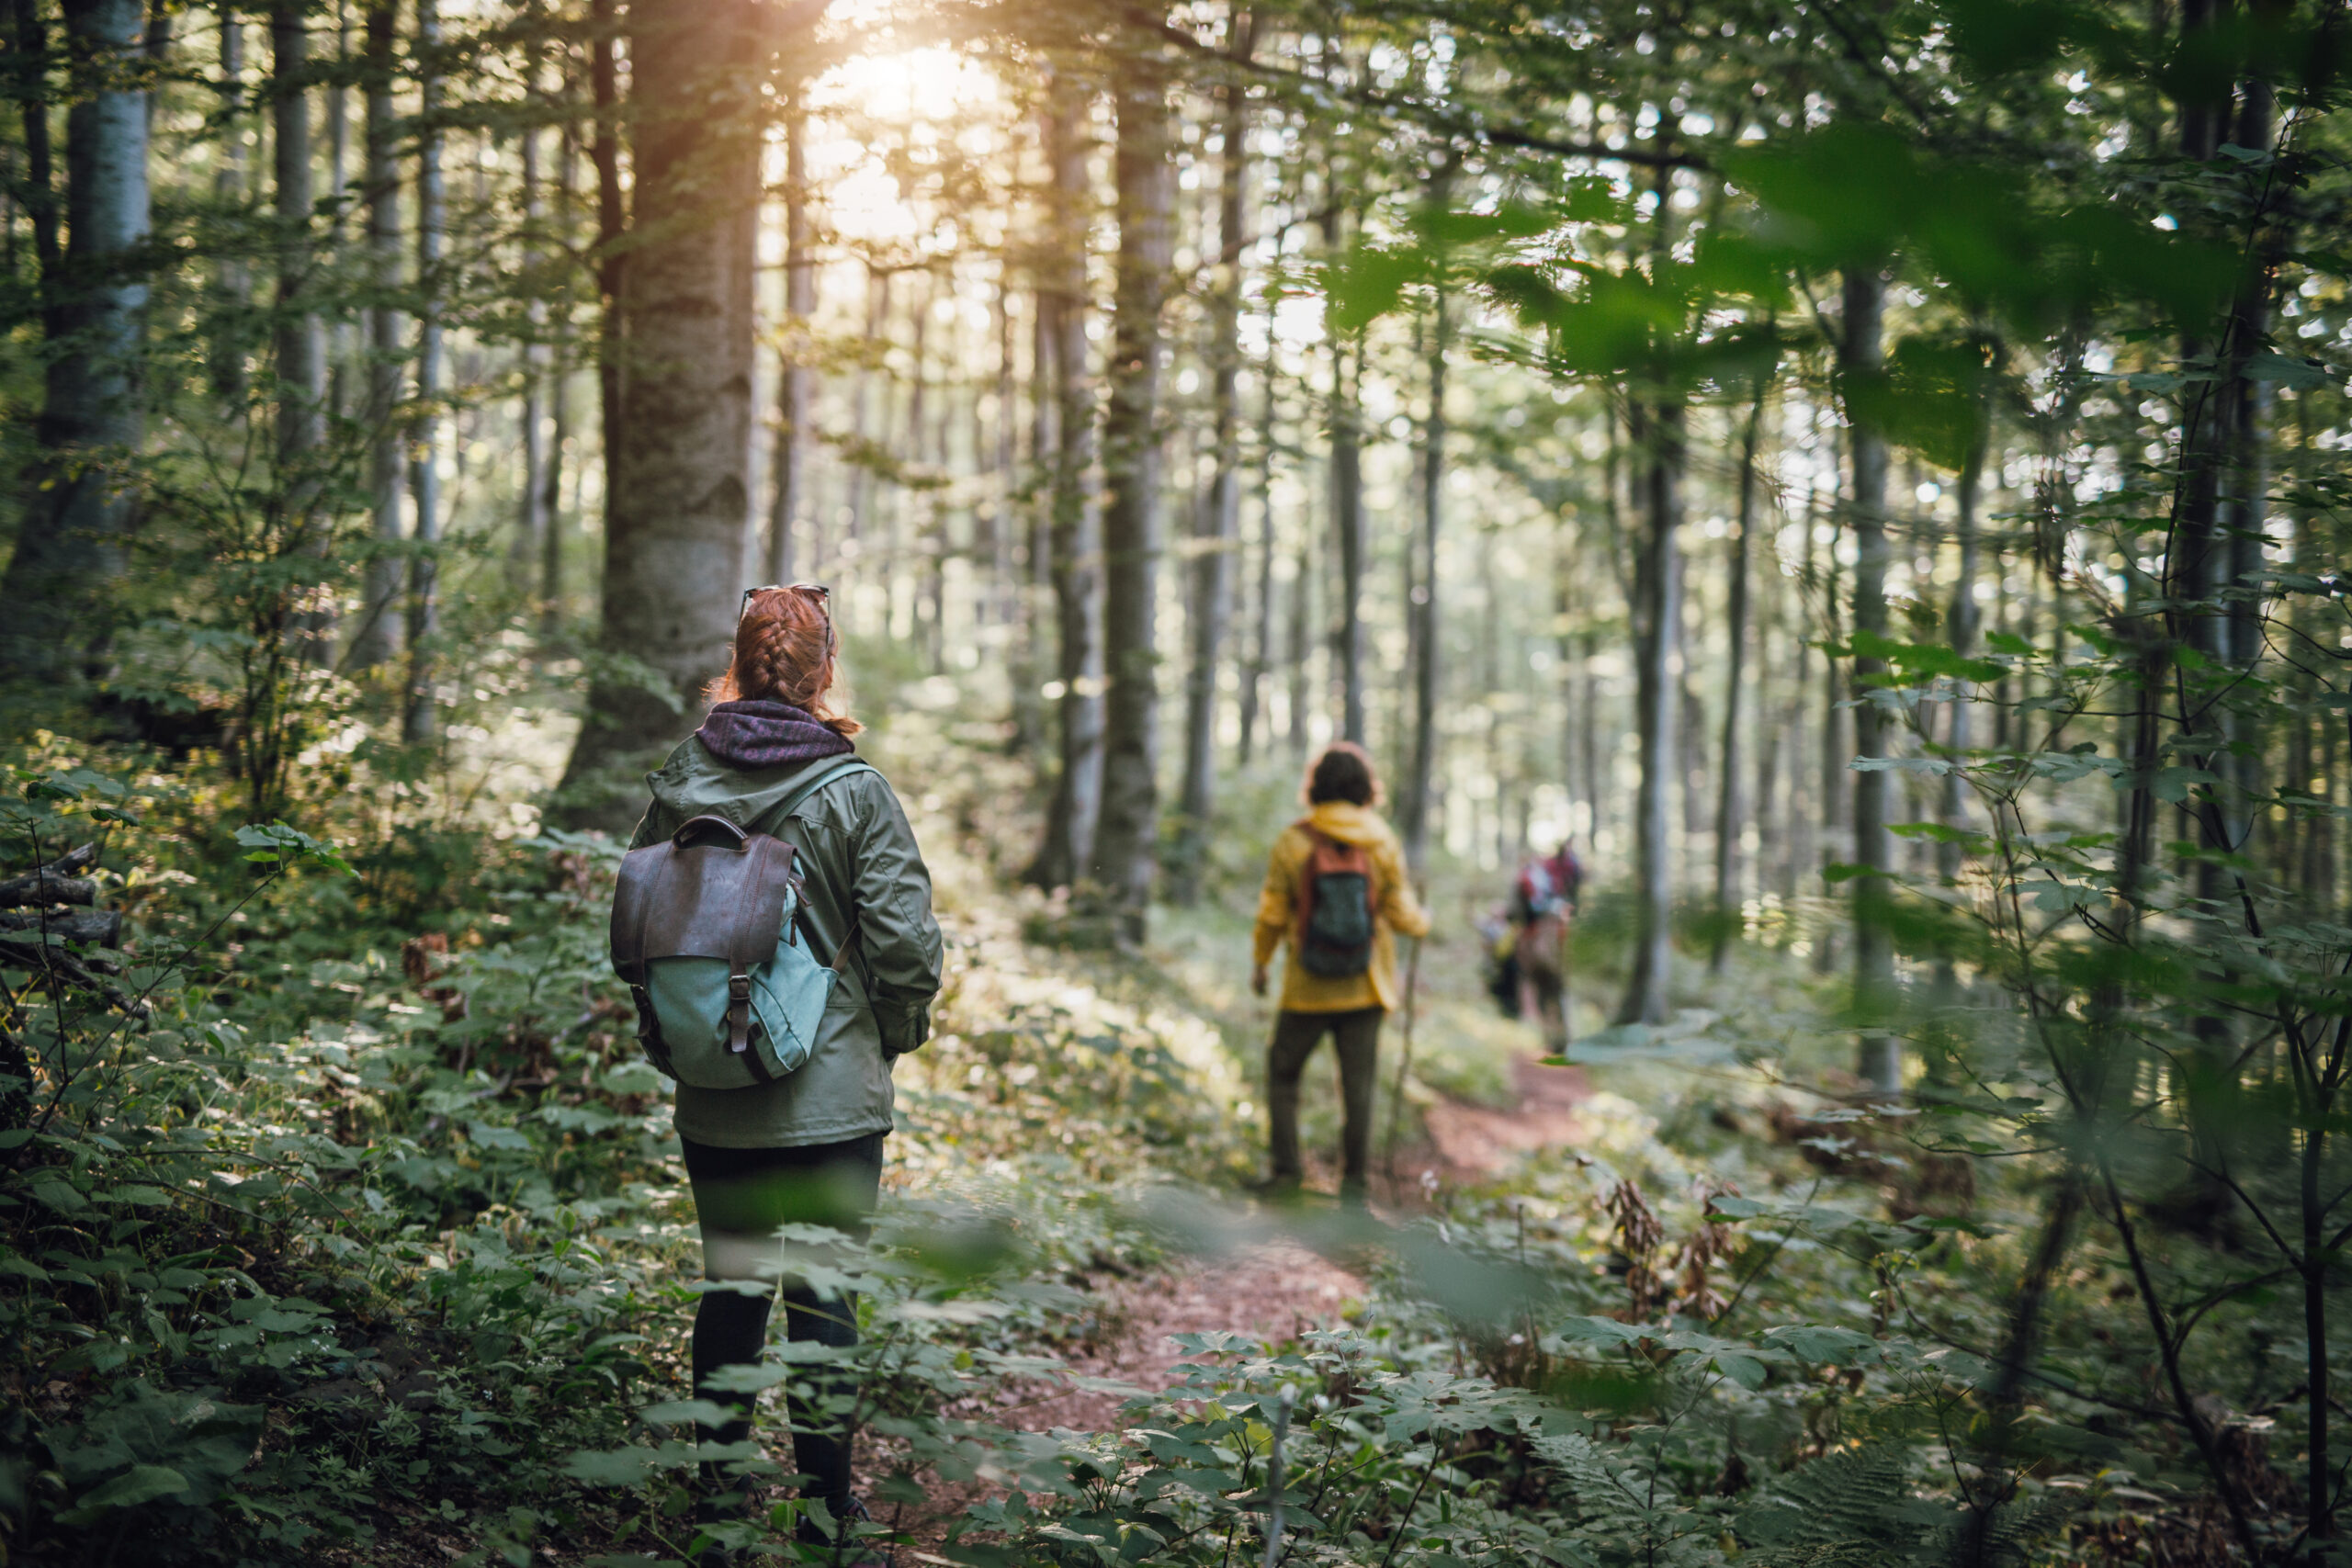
(1277, 1290)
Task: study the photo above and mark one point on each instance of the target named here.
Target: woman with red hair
(804, 1147)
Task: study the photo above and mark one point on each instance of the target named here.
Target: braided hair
(785, 652)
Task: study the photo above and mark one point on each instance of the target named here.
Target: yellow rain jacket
(1398, 911)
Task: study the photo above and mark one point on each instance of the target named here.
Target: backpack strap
(824, 775)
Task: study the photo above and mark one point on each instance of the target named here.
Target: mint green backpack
(711, 935)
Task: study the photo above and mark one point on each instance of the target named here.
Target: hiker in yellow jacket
(1337, 894)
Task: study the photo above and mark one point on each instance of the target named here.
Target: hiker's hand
(1257, 980)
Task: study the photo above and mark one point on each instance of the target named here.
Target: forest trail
(1277, 1290)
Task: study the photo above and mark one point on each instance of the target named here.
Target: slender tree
(377, 636)
(1421, 607)
(1075, 543)
(1729, 818)
(1126, 840)
(1218, 527)
(417, 722)
(226, 355)
(1861, 353)
(530, 542)
(796, 382)
(1658, 439)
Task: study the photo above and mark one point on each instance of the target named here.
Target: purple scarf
(767, 735)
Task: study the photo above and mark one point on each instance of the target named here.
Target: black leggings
(740, 1197)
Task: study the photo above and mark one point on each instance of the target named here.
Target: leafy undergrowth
(342, 1225)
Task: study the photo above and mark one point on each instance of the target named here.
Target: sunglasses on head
(816, 591)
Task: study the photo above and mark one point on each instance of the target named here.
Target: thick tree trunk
(1070, 816)
(1422, 607)
(796, 383)
(1658, 438)
(377, 638)
(418, 718)
(1729, 816)
(1218, 525)
(70, 546)
(680, 460)
(1124, 841)
(1880, 1060)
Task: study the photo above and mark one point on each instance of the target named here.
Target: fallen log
(53, 883)
(99, 928)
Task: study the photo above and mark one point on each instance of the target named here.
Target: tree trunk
(1963, 621)
(680, 459)
(226, 353)
(1124, 842)
(1879, 1059)
(417, 724)
(1262, 637)
(795, 389)
(612, 223)
(1729, 818)
(567, 181)
(338, 117)
(1347, 525)
(70, 545)
(1070, 817)
(1422, 606)
(529, 544)
(377, 638)
(1657, 612)
(301, 347)
(1218, 529)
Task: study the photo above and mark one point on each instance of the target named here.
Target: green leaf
(141, 1484)
(678, 1412)
(2287, 370)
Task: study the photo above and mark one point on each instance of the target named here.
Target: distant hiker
(1336, 893)
(1543, 902)
(800, 1140)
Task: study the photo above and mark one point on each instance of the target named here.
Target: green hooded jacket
(853, 844)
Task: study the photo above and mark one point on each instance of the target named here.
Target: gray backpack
(710, 934)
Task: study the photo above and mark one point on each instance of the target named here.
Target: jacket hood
(1348, 823)
(693, 783)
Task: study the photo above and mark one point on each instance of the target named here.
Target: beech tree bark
(1124, 839)
(1218, 522)
(680, 459)
(1075, 542)
(1879, 1061)
(70, 546)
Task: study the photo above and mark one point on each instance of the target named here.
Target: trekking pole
(1404, 1062)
